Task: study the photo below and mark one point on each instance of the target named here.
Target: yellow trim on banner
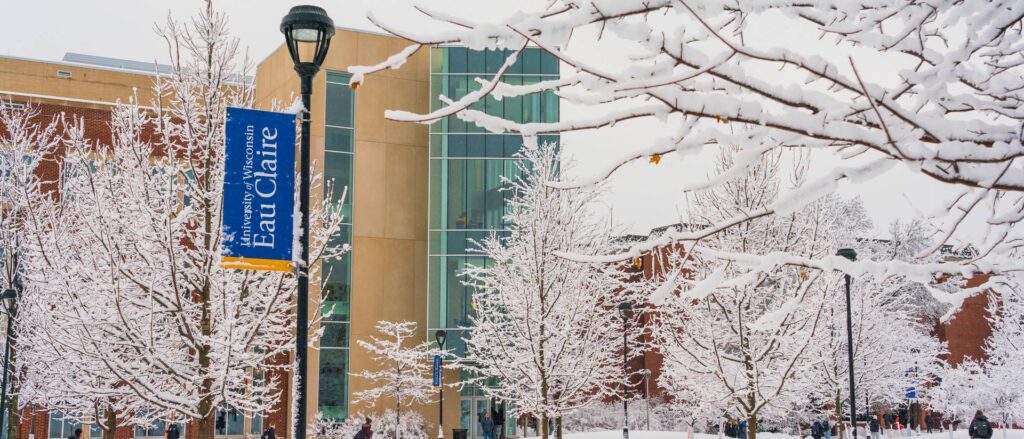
(255, 264)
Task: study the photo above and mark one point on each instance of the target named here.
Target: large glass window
(467, 165)
(62, 426)
(256, 425)
(158, 428)
(339, 160)
(229, 422)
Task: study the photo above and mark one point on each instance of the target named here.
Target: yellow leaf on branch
(655, 159)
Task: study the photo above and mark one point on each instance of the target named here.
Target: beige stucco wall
(87, 87)
(389, 253)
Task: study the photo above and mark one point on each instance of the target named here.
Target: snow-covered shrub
(599, 416)
(412, 426)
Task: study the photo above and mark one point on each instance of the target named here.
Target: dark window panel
(495, 145)
(338, 139)
(457, 145)
(495, 58)
(477, 63)
(475, 145)
(339, 105)
(531, 61)
(548, 63)
(457, 59)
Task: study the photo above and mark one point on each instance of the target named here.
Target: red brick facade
(967, 331)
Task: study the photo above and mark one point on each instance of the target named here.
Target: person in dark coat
(173, 432)
(77, 435)
(367, 431)
(817, 430)
(875, 428)
(487, 425)
(499, 421)
(980, 427)
(269, 433)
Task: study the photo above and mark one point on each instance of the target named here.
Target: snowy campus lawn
(637, 434)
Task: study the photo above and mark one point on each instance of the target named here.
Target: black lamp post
(440, 336)
(307, 33)
(9, 297)
(625, 310)
(850, 254)
(647, 395)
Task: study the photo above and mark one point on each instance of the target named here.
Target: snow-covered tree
(890, 339)
(933, 86)
(28, 143)
(402, 371)
(125, 270)
(546, 327)
(746, 342)
(990, 384)
(962, 390)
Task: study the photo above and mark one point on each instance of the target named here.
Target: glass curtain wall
(467, 164)
(337, 274)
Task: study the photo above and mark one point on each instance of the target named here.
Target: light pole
(625, 310)
(440, 336)
(307, 33)
(647, 395)
(9, 297)
(850, 254)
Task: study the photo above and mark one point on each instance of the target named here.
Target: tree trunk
(12, 414)
(204, 425)
(544, 426)
(752, 426)
(398, 418)
(13, 390)
(839, 414)
(558, 428)
(110, 424)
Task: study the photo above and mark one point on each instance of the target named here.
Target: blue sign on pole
(437, 371)
(911, 375)
(259, 190)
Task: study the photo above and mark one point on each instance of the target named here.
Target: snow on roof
(130, 66)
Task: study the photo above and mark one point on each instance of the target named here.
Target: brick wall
(967, 331)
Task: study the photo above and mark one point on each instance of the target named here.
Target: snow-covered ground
(636, 434)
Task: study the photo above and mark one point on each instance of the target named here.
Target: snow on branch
(944, 97)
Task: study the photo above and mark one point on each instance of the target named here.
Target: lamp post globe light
(850, 254)
(307, 33)
(625, 310)
(440, 336)
(9, 297)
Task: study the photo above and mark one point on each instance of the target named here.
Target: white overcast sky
(643, 195)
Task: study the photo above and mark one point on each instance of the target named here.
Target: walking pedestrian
(827, 428)
(875, 428)
(269, 433)
(980, 427)
(77, 435)
(487, 425)
(499, 421)
(367, 431)
(173, 432)
(817, 430)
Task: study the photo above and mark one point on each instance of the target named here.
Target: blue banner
(259, 190)
(437, 371)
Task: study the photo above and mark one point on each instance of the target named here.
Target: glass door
(482, 407)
